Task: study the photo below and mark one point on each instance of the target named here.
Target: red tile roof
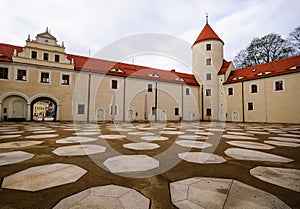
(7, 51)
(96, 65)
(224, 67)
(207, 33)
(270, 69)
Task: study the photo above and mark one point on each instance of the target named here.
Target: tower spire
(206, 18)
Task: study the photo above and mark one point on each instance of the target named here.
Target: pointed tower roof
(207, 33)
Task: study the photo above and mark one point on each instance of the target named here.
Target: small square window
(176, 111)
(278, 85)
(254, 88)
(21, 75)
(34, 54)
(250, 106)
(56, 58)
(80, 109)
(45, 77)
(208, 47)
(150, 87)
(208, 92)
(208, 76)
(153, 110)
(230, 91)
(46, 56)
(3, 72)
(208, 111)
(208, 61)
(187, 91)
(65, 80)
(114, 84)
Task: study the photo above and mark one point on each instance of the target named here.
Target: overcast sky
(91, 25)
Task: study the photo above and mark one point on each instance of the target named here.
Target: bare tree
(294, 39)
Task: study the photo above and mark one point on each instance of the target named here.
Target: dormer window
(179, 79)
(237, 78)
(154, 75)
(263, 73)
(118, 70)
(297, 67)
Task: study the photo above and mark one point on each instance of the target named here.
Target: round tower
(207, 61)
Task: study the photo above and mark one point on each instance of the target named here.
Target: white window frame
(210, 47)
(252, 105)
(211, 76)
(40, 76)
(61, 80)
(210, 92)
(228, 91)
(283, 86)
(250, 88)
(37, 54)
(16, 74)
(8, 73)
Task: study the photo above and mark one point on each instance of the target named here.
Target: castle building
(41, 81)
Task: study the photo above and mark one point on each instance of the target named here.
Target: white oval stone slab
(258, 132)
(41, 136)
(75, 139)
(284, 177)
(154, 138)
(112, 136)
(44, 132)
(201, 157)
(86, 133)
(130, 163)
(284, 139)
(204, 133)
(43, 177)
(192, 137)
(227, 136)
(7, 158)
(171, 132)
(281, 143)
(290, 135)
(250, 145)
(9, 136)
(79, 150)
(239, 133)
(193, 144)
(141, 133)
(215, 129)
(109, 196)
(19, 144)
(141, 146)
(253, 155)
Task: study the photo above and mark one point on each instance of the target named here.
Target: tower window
(187, 91)
(56, 58)
(114, 84)
(46, 56)
(150, 88)
(176, 111)
(250, 106)
(208, 92)
(208, 47)
(208, 61)
(34, 54)
(230, 91)
(208, 76)
(253, 88)
(208, 111)
(80, 109)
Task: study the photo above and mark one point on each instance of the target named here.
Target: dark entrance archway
(43, 109)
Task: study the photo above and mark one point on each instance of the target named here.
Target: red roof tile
(7, 51)
(224, 67)
(270, 69)
(207, 33)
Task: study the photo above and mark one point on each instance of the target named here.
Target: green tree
(262, 50)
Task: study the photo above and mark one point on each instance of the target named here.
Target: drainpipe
(202, 104)
(124, 95)
(156, 101)
(181, 119)
(243, 107)
(89, 97)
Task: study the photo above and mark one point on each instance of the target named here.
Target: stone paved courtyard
(149, 165)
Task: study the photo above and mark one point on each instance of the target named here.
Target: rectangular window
(56, 58)
(65, 80)
(187, 91)
(253, 88)
(3, 72)
(208, 61)
(153, 110)
(114, 84)
(45, 77)
(150, 89)
(230, 91)
(208, 47)
(208, 76)
(176, 111)
(250, 106)
(80, 110)
(113, 108)
(45, 56)
(208, 111)
(278, 85)
(208, 92)
(21, 75)
(34, 54)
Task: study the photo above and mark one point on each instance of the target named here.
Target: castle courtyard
(149, 165)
